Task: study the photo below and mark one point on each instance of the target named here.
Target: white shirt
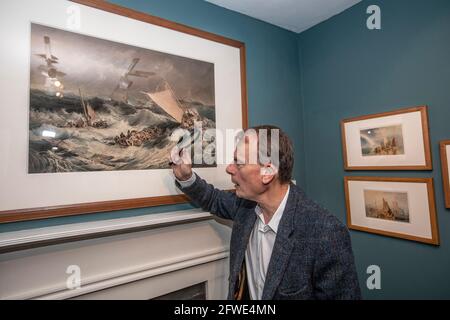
(260, 245)
(259, 249)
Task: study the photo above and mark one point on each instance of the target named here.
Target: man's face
(245, 172)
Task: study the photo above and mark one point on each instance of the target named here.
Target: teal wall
(272, 77)
(348, 70)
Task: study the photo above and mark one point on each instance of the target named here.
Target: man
(283, 245)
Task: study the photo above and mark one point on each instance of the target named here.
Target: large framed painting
(396, 207)
(445, 162)
(395, 140)
(93, 97)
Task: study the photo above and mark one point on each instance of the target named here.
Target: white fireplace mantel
(126, 258)
(15, 240)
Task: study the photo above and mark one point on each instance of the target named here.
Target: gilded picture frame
(394, 140)
(390, 206)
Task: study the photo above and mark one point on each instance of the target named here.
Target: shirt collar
(275, 221)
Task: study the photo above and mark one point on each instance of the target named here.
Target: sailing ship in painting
(98, 105)
(387, 205)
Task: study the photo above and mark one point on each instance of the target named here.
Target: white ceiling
(294, 15)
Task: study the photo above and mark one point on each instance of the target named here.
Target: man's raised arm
(221, 203)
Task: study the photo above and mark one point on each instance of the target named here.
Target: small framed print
(396, 140)
(396, 207)
(445, 162)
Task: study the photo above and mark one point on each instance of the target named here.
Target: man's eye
(238, 164)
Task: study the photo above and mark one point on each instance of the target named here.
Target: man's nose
(231, 169)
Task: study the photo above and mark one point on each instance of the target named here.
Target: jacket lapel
(244, 229)
(282, 248)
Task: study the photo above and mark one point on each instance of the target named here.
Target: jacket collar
(276, 217)
(283, 245)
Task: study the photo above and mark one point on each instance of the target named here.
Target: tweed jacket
(312, 256)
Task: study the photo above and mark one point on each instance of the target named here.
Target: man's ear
(268, 173)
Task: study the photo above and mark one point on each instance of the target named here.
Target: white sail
(167, 100)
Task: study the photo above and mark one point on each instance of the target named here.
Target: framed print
(396, 207)
(445, 162)
(396, 140)
(92, 96)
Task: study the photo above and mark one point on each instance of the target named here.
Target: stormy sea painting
(382, 141)
(98, 105)
(387, 205)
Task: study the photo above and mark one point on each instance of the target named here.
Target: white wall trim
(137, 258)
(125, 276)
(10, 241)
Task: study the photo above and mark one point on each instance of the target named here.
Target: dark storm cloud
(96, 66)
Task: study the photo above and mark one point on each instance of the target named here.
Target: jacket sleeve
(335, 274)
(221, 203)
